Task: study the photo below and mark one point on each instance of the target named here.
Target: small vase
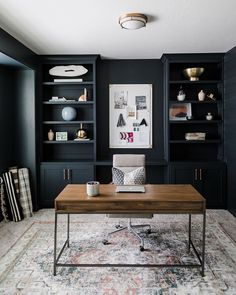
(181, 94)
(50, 135)
(201, 95)
(209, 116)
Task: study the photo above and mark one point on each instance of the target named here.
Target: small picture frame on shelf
(180, 111)
(61, 136)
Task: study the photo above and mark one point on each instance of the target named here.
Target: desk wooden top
(169, 198)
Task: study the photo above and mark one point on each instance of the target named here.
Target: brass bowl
(193, 73)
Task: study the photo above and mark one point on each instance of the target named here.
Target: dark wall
(13, 48)
(25, 124)
(129, 72)
(7, 118)
(230, 126)
(17, 108)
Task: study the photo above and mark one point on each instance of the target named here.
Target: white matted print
(130, 116)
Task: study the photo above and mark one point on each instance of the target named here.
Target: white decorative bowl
(181, 97)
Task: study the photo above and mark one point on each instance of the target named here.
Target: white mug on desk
(93, 188)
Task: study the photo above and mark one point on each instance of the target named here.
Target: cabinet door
(53, 180)
(208, 179)
(78, 173)
(185, 175)
(212, 185)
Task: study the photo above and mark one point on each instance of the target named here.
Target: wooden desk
(158, 199)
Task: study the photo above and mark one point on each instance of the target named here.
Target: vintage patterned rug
(26, 259)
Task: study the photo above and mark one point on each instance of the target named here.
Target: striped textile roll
(5, 210)
(12, 197)
(25, 193)
(14, 172)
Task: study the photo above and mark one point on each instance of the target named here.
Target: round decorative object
(193, 73)
(68, 71)
(68, 113)
(81, 133)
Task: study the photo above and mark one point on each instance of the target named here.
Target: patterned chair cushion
(136, 176)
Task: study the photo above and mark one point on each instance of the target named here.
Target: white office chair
(129, 169)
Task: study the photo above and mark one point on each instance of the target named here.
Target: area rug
(27, 266)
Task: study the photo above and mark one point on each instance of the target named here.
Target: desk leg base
(190, 243)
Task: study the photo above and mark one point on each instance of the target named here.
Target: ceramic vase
(50, 135)
(201, 95)
(209, 116)
(181, 94)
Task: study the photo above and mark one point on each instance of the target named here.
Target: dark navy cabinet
(55, 176)
(207, 178)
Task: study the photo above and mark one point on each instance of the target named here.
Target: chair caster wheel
(105, 242)
(141, 248)
(149, 231)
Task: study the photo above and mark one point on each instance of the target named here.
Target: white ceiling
(91, 26)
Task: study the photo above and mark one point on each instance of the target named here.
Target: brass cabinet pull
(195, 174)
(200, 174)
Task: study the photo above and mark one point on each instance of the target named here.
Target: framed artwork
(130, 115)
(60, 136)
(180, 111)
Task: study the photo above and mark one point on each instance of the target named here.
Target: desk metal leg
(203, 241)
(68, 230)
(55, 246)
(189, 232)
(201, 257)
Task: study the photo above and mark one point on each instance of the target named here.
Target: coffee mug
(93, 188)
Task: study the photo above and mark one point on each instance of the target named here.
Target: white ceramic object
(68, 71)
(209, 116)
(50, 135)
(68, 113)
(181, 97)
(92, 188)
(195, 136)
(201, 95)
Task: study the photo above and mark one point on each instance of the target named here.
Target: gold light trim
(133, 21)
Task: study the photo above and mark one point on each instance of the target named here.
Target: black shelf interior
(66, 103)
(88, 77)
(68, 142)
(84, 112)
(213, 71)
(195, 151)
(69, 91)
(211, 82)
(51, 117)
(70, 129)
(177, 131)
(195, 101)
(192, 90)
(68, 152)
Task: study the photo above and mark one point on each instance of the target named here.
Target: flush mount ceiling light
(133, 21)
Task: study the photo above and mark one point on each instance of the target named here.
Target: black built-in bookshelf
(198, 162)
(70, 160)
